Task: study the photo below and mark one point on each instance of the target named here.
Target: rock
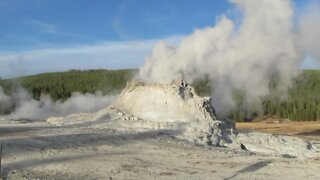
(243, 147)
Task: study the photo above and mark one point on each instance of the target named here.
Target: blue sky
(56, 35)
(28, 23)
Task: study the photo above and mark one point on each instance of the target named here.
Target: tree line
(302, 103)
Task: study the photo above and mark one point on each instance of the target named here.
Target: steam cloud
(308, 40)
(243, 57)
(29, 108)
(268, 42)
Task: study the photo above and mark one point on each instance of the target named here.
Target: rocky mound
(175, 105)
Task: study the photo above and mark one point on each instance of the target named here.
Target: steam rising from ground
(240, 57)
(29, 108)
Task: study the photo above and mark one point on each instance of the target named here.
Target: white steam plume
(237, 58)
(4, 101)
(308, 37)
(29, 108)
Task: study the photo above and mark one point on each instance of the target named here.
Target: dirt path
(307, 130)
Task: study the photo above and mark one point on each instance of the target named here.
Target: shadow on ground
(311, 133)
(76, 140)
(29, 163)
(20, 145)
(252, 168)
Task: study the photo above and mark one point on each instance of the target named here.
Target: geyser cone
(175, 105)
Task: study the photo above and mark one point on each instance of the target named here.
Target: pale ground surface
(152, 132)
(37, 150)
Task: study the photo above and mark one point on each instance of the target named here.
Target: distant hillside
(303, 102)
(60, 85)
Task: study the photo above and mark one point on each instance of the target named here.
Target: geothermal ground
(39, 151)
(152, 132)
